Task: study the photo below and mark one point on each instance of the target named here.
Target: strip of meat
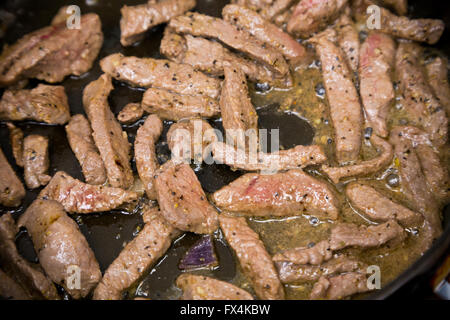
(339, 287)
(10, 289)
(209, 27)
(256, 5)
(282, 194)
(311, 16)
(160, 73)
(253, 257)
(264, 30)
(61, 247)
(379, 207)
(145, 154)
(386, 153)
(11, 188)
(282, 19)
(136, 20)
(348, 40)
(131, 113)
(182, 200)
(205, 288)
(109, 138)
(400, 6)
(277, 7)
(437, 74)
(138, 256)
(35, 161)
(16, 140)
(314, 255)
(79, 197)
(174, 106)
(43, 104)
(79, 135)
(376, 88)
(345, 108)
(29, 277)
(53, 52)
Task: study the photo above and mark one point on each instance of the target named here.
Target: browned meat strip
(339, 287)
(277, 7)
(205, 26)
(79, 135)
(29, 277)
(376, 88)
(43, 104)
(79, 197)
(16, 140)
(174, 106)
(35, 161)
(400, 6)
(137, 257)
(181, 198)
(131, 113)
(314, 255)
(148, 72)
(282, 19)
(136, 20)
(348, 40)
(289, 193)
(109, 138)
(386, 153)
(256, 5)
(59, 245)
(53, 52)
(11, 188)
(10, 289)
(437, 74)
(145, 154)
(253, 257)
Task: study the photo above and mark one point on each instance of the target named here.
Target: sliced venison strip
(11, 188)
(138, 256)
(131, 113)
(136, 20)
(109, 138)
(11, 290)
(42, 104)
(79, 135)
(36, 161)
(281, 194)
(340, 286)
(205, 288)
(348, 40)
(437, 74)
(60, 245)
(253, 257)
(160, 73)
(16, 140)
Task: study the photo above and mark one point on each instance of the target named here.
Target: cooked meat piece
(238, 114)
(35, 161)
(399, 6)
(256, 5)
(282, 19)
(181, 198)
(376, 88)
(109, 138)
(160, 73)
(339, 287)
(10, 289)
(137, 257)
(379, 207)
(253, 257)
(79, 197)
(145, 154)
(136, 20)
(28, 276)
(277, 7)
(16, 140)
(437, 74)
(43, 104)
(61, 246)
(282, 194)
(174, 106)
(386, 153)
(419, 101)
(131, 113)
(11, 188)
(348, 40)
(79, 135)
(311, 16)
(205, 288)
(53, 52)
(209, 27)
(314, 255)
(345, 108)
(264, 30)
(297, 157)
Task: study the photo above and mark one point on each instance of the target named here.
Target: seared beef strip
(136, 20)
(314, 255)
(145, 154)
(339, 287)
(109, 138)
(256, 5)
(348, 40)
(160, 73)
(16, 140)
(43, 104)
(282, 194)
(61, 246)
(35, 161)
(437, 74)
(277, 7)
(131, 113)
(11, 290)
(137, 257)
(79, 135)
(78, 197)
(399, 6)
(205, 288)
(181, 198)
(253, 257)
(11, 188)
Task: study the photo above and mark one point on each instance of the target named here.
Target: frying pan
(108, 232)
